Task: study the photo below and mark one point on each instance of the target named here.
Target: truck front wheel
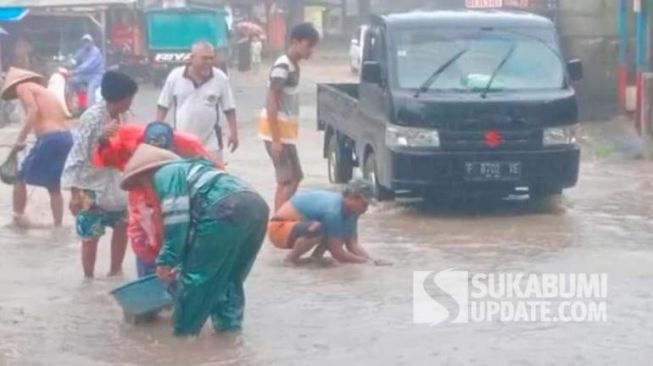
(341, 166)
(370, 173)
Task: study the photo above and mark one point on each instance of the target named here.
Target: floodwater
(347, 314)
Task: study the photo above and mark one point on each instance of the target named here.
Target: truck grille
(491, 139)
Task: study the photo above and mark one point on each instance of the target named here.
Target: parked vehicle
(123, 60)
(456, 102)
(9, 113)
(356, 48)
(172, 31)
(74, 99)
(58, 85)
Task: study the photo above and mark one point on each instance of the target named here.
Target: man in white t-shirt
(198, 92)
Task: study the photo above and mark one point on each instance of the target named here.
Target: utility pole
(343, 16)
(295, 12)
(294, 9)
(364, 10)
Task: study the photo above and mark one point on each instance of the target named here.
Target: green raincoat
(214, 225)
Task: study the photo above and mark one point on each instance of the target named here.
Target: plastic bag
(9, 169)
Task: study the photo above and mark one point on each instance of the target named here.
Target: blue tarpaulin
(13, 13)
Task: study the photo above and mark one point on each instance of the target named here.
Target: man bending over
(323, 221)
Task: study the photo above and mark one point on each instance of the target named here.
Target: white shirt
(197, 107)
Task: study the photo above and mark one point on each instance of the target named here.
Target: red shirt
(145, 227)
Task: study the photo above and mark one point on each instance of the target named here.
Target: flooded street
(347, 314)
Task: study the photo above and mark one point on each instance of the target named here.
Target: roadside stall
(53, 28)
(7, 109)
(126, 42)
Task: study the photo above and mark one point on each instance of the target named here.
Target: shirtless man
(46, 118)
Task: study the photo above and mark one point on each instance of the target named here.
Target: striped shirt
(284, 77)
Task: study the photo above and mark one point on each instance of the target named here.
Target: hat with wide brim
(145, 158)
(16, 76)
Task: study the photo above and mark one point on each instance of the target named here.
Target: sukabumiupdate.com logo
(454, 296)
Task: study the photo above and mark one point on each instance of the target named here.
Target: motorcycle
(123, 60)
(57, 84)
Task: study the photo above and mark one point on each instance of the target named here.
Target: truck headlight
(560, 135)
(396, 136)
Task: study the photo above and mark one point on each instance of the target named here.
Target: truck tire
(341, 167)
(370, 173)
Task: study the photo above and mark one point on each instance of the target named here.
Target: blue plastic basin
(145, 295)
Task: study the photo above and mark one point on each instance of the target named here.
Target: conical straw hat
(146, 157)
(16, 76)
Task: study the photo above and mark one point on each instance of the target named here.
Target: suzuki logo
(493, 138)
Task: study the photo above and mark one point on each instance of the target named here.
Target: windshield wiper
(500, 66)
(540, 40)
(537, 39)
(434, 76)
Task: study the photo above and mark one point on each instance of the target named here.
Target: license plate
(504, 171)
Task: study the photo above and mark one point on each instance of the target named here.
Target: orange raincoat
(145, 227)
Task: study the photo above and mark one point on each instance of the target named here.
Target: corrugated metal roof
(61, 3)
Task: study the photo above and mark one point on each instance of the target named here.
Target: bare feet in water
(319, 261)
(115, 273)
(299, 262)
(323, 262)
(22, 222)
(111, 274)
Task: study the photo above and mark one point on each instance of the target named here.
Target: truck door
(375, 106)
(374, 96)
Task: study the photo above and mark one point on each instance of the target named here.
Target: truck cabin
(467, 52)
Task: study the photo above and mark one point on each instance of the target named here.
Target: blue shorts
(92, 223)
(43, 165)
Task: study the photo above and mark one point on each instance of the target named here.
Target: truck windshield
(533, 61)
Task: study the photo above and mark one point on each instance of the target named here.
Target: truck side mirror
(575, 69)
(371, 72)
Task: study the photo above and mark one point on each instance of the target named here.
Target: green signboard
(178, 29)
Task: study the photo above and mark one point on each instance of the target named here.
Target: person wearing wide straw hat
(214, 225)
(47, 119)
(144, 227)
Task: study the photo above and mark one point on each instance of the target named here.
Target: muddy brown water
(355, 315)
